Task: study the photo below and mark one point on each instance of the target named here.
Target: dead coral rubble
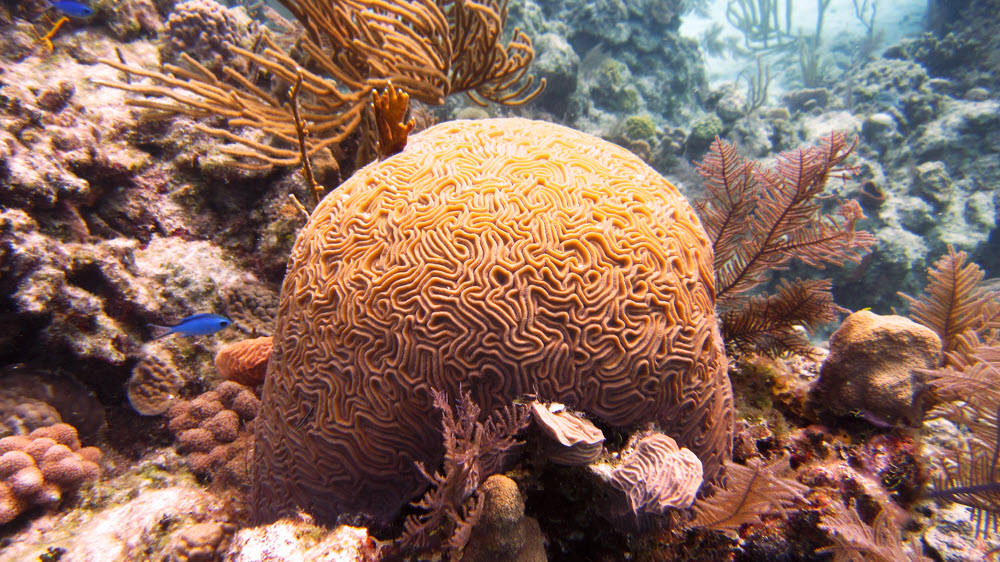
(38, 469)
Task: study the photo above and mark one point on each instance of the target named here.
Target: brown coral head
(578, 441)
(502, 256)
(659, 475)
(244, 362)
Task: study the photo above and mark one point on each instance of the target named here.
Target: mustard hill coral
(875, 365)
(504, 533)
(38, 468)
(503, 255)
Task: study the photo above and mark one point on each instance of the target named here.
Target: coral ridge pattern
(499, 256)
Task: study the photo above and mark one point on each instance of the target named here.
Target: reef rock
(296, 541)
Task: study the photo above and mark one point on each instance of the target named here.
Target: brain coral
(503, 255)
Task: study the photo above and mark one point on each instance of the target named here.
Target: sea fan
(853, 539)
(473, 452)
(750, 492)
(760, 219)
(957, 306)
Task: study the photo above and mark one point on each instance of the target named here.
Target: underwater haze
(484, 280)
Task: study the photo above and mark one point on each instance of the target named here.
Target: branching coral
(427, 48)
(759, 220)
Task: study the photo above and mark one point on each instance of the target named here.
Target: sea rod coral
(504, 256)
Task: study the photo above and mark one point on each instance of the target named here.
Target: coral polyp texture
(208, 429)
(502, 257)
(36, 469)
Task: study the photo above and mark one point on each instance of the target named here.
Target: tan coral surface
(504, 255)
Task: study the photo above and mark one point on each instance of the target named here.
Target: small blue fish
(197, 325)
(72, 9)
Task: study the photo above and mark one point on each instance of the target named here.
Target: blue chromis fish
(72, 9)
(197, 325)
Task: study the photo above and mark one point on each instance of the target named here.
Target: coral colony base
(400, 324)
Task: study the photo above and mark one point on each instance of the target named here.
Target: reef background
(110, 221)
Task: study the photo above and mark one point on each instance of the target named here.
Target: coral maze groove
(510, 257)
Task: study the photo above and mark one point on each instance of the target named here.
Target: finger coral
(505, 256)
(36, 469)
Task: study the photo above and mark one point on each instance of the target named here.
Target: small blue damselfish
(72, 9)
(197, 325)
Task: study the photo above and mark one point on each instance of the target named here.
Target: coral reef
(202, 28)
(45, 392)
(657, 475)
(251, 306)
(572, 270)
(575, 439)
(153, 386)
(201, 542)
(38, 469)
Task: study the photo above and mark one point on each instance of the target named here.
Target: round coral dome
(502, 256)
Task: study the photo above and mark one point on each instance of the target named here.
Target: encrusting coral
(202, 28)
(201, 542)
(37, 469)
(506, 256)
